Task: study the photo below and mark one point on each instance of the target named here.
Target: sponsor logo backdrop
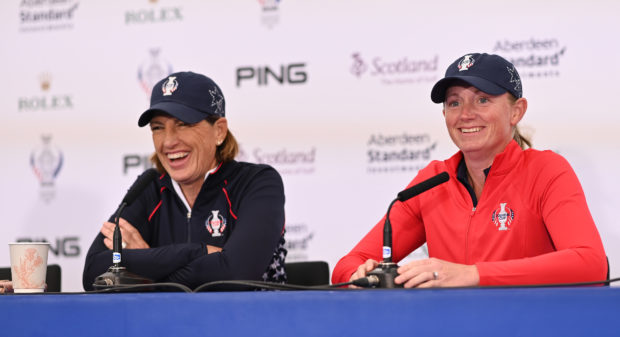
(334, 94)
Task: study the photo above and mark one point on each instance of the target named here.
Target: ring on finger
(435, 275)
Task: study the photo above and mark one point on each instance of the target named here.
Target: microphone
(139, 185)
(116, 274)
(383, 276)
(423, 186)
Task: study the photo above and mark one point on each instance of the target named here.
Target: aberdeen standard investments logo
(399, 70)
(46, 161)
(399, 152)
(41, 15)
(298, 239)
(534, 57)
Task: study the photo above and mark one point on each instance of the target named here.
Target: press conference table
(583, 311)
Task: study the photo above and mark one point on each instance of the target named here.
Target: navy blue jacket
(239, 208)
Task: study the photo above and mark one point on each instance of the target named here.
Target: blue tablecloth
(586, 311)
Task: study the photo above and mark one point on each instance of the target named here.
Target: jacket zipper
(471, 215)
(189, 231)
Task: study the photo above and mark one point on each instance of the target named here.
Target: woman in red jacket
(509, 214)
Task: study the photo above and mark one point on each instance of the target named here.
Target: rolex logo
(45, 80)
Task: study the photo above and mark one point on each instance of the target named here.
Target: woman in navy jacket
(206, 217)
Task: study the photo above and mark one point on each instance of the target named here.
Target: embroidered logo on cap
(217, 100)
(169, 86)
(466, 63)
(514, 78)
(216, 224)
(502, 217)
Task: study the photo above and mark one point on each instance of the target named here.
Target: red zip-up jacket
(531, 225)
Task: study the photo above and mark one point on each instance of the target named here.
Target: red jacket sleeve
(406, 225)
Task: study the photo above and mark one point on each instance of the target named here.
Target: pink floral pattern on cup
(27, 265)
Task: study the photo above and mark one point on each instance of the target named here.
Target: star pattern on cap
(514, 78)
(217, 100)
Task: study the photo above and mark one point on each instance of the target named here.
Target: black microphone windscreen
(423, 186)
(139, 185)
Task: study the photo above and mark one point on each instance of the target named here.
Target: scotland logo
(46, 161)
(358, 67)
(466, 63)
(503, 217)
(216, 224)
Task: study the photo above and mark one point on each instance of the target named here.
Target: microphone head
(423, 186)
(139, 185)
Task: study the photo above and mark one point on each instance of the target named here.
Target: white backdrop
(351, 86)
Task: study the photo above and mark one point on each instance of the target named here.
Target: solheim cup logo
(269, 4)
(466, 63)
(216, 223)
(270, 12)
(46, 162)
(152, 70)
(169, 86)
(503, 217)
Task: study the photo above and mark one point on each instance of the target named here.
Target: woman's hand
(434, 272)
(131, 237)
(362, 270)
(213, 249)
(6, 286)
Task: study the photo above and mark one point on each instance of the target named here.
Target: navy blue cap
(489, 73)
(187, 96)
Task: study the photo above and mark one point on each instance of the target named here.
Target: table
(584, 311)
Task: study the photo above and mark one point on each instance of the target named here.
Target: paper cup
(28, 266)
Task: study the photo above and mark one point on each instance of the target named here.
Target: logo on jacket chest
(502, 217)
(216, 224)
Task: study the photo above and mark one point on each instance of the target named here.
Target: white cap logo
(169, 86)
(466, 63)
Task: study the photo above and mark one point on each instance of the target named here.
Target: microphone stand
(383, 276)
(118, 275)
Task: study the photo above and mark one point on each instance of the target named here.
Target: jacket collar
(214, 178)
(502, 163)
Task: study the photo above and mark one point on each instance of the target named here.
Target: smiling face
(186, 151)
(481, 125)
